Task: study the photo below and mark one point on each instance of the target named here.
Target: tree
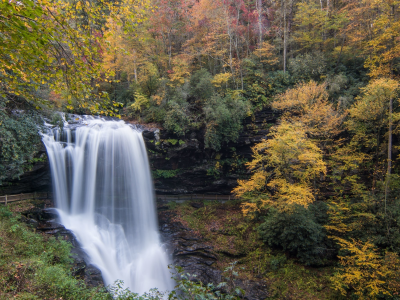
(308, 103)
(41, 45)
(284, 168)
(374, 111)
(365, 271)
(383, 48)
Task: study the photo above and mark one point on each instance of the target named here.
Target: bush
(177, 118)
(308, 66)
(297, 232)
(224, 119)
(200, 84)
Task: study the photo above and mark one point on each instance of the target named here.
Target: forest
(321, 187)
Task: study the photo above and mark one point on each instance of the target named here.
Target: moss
(172, 141)
(165, 173)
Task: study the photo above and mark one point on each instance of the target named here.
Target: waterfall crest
(104, 194)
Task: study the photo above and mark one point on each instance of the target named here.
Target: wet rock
(32, 223)
(197, 258)
(197, 204)
(40, 214)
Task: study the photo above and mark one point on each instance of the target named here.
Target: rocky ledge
(190, 252)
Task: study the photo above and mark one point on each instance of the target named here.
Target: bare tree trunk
(259, 11)
(284, 35)
(135, 68)
(389, 168)
(230, 45)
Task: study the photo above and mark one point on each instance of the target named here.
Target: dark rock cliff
(183, 165)
(36, 179)
(180, 164)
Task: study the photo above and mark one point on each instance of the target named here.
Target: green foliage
(308, 66)
(140, 103)
(165, 173)
(187, 287)
(177, 119)
(224, 119)
(297, 232)
(200, 84)
(42, 262)
(19, 141)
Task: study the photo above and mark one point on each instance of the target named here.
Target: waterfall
(104, 194)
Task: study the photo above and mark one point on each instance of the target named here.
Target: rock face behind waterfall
(182, 164)
(37, 179)
(179, 164)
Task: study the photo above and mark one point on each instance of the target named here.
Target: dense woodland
(324, 183)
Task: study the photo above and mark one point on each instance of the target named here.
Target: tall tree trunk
(259, 12)
(135, 68)
(389, 164)
(284, 39)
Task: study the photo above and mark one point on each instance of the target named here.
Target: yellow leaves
(365, 271)
(266, 53)
(256, 183)
(257, 205)
(180, 71)
(374, 101)
(293, 154)
(371, 111)
(295, 162)
(221, 79)
(308, 103)
(141, 101)
(382, 46)
(289, 194)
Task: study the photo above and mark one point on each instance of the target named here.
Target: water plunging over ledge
(104, 194)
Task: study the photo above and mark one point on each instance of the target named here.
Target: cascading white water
(104, 194)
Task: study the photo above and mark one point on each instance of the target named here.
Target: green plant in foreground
(186, 288)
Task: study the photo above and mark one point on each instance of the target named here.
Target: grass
(235, 238)
(34, 265)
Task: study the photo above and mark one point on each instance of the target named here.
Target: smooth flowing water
(104, 194)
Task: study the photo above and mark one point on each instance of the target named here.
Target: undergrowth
(35, 266)
(235, 238)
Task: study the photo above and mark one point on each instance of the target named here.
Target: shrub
(177, 117)
(200, 84)
(308, 66)
(296, 232)
(224, 119)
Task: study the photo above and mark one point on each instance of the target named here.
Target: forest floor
(234, 238)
